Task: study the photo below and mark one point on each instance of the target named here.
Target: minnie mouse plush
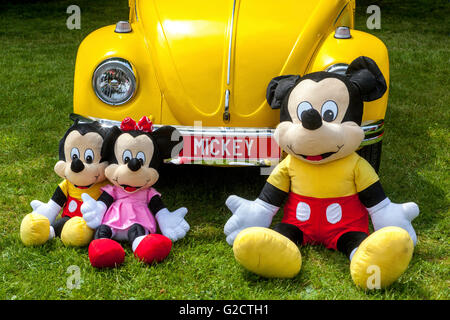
(127, 209)
(330, 189)
(83, 169)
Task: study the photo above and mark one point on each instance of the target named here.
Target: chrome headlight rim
(339, 68)
(115, 63)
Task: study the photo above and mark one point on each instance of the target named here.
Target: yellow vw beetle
(203, 66)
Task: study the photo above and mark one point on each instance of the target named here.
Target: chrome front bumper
(373, 133)
(228, 146)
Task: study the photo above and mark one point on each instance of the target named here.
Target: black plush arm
(156, 204)
(372, 195)
(59, 197)
(272, 195)
(106, 199)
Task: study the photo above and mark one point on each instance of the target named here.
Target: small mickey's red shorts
(325, 220)
(72, 208)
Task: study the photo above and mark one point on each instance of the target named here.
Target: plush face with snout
(80, 160)
(321, 112)
(132, 171)
(135, 156)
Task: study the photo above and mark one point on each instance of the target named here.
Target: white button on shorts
(334, 213)
(303, 211)
(73, 206)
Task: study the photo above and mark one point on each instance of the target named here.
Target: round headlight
(114, 81)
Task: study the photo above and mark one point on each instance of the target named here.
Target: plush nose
(134, 164)
(77, 165)
(311, 119)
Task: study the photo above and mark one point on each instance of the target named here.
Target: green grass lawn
(37, 57)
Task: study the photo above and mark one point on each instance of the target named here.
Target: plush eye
(329, 111)
(74, 154)
(126, 156)
(141, 157)
(303, 106)
(89, 156)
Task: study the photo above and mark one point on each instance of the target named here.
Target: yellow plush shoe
(267, 253)
(76, 233)
(381, 258)
(34, 229)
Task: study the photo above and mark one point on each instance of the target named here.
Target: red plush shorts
(323, 221)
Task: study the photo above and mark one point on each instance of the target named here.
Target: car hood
(201, 49)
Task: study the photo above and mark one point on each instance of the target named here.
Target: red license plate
(229, 148)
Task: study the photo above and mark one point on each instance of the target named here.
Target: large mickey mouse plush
(131, 209)
(83, 169)
(331, 191)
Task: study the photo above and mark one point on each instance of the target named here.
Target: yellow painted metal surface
(187, 54)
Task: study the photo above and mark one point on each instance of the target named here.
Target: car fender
(105, 43)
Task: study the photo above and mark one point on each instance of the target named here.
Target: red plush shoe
(153, 248)
(105, 253)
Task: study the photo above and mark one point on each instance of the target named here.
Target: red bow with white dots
(144, 125)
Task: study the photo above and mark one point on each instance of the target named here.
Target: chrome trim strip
(373, 127)
(227, 99)
(371, 139)
(226, 111)
(230, 43)
(225, 162)
(374, 132)
(340, 13)
(210, 131)
(237, 131)
(339, 68)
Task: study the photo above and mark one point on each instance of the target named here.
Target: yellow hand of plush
(76, 233)
(34, 229)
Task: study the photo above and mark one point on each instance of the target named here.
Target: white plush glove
(387, 213)
(93, 211)
(49, 209)
(172, 224)
(247, 214)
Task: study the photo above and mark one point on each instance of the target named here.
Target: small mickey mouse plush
(127, 209)
(83, 169)
(331, 191)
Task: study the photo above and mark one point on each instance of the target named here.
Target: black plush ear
(63, 140)
(169, 141)
(365, 74)
(102, 130)
(278, 88)
(107, 152)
